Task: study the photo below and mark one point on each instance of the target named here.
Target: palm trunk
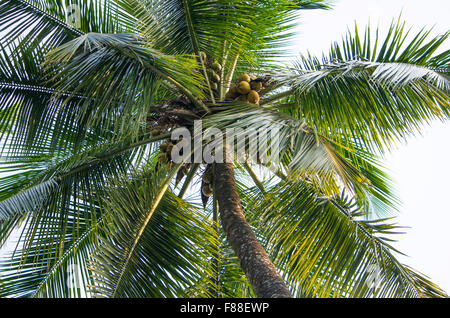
(261, 273)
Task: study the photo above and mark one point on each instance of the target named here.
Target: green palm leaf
(327, 249)
(374, 95)
(157, 245)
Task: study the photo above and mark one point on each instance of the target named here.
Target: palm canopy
(82, 176)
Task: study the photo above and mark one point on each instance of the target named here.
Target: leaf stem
(276, 97)
(253, 175)
(188, 180)
(197, 47)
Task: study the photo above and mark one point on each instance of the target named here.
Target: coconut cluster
(207, 186)
(165, 152)
(207, 189)
(165, 155)
(213, 70)
(246, 89)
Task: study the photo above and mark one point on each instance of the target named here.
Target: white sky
(420, 166)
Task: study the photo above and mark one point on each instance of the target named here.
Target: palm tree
(91, 193)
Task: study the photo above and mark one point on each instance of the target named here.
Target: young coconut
(253, 97)
(169, 148)
(163, 147)
(216, 67)
(244, 87)
(163, 158)
(232, 93)
(215, 77)
(155, 132)
(256, 85)
(242, 98)
(203, 56)
(244, 78)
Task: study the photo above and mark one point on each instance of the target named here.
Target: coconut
(207, 177)
(163, 147)
(163, 158)
(169, 148)
(214, 86)
(215, 77)
(243, 87)
(256, 86)
(155, 132)
(203, 56)
(207, 190)
(245, 78)
(253, 97)
(242, 98)
(232, 93)
(216, 67)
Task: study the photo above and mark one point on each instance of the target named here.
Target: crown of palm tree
(86, 113)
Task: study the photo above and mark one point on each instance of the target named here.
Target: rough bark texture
(256, 264)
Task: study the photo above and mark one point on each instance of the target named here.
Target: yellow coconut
(256, 86)
(243, 87)
(232, 93)
(253, 97)
(245, 78)
(229, 96)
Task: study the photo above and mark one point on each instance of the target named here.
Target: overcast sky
(420, 166)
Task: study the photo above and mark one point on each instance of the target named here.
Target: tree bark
(256, 264)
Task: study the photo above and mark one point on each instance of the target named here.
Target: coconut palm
(97, 204)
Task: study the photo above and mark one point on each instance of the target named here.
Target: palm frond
(157, 245)
(287, 144)
(31, 114)
(254, 30)
(376, 96)
(20, 18)
(313, 4)
(28, 200)
(91, 16)
(27, 189)
(119, 74)
(57, 217)
(325, 248)
(53, 264)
